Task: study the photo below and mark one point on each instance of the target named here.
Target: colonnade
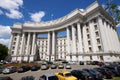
(24, 47)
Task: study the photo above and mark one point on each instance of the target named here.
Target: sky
(21, 11)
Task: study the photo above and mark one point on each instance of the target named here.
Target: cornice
(74, 16)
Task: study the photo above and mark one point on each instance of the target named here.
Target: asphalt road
(37, 74)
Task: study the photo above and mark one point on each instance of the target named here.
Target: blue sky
(12, 11)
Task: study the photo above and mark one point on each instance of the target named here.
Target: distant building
(90, 36)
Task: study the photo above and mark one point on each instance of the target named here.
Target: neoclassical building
(89, 35)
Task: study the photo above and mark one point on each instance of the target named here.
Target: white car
(68, 66)
(44, 66)
(8, 70)
(50, 76)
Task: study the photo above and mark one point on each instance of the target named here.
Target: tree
(3, 52)
(112, 9)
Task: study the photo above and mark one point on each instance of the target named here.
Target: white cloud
(36, 17)
(5, 31)
(11, 8)
(82, 9)
(119, 7)
(118, 25)
(1, 12)
(103, 6)
(4, 41)
(14, 14)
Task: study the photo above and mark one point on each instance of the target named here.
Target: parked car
(10, 69)
(48, 77)
(94, 62)
(44, 66)
(6, 78)
(106, 73)
(64, 62)
(95, 74)
(114, 69)
(23, 69)
(81, 75)
(1, 69)
(53, 66)
(65, 76)
(68, 66)
(35, 68)
(60, 66)
(81, 63)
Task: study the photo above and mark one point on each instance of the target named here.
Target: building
(90, 36)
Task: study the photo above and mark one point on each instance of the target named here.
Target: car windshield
(52, 78)
(68, 74)
(84, 73)
(94, 71)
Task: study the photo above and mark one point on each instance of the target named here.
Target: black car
(35, 68)
(114, 69)
(81, 63)
(106, 72)
(82, 75)
(95, 74)
(6, 78)
(23, 69)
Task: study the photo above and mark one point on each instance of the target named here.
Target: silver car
(44, 66)
(8, 70)
(68, 66)
(50, 76)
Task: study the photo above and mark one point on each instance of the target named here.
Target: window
(100, 48)
(87, 30)
(90, 49)
(98, 41)
(97, 34)
(88, 36)
(95, 20)
(89, 43)
(87, 24)
(90, 57)
(96, 27)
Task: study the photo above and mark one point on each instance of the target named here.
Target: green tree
(112, 9)
(3, 52)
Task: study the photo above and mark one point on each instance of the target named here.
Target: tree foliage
(112, 9)
(3, 52)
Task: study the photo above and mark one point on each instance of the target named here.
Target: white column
(113, 39)
(103, 36)
(85, 41)
(93, 37)
(22, 43)
(73, 40)
(107, 38)
(17, 44)
(28, 44)
(10, 43)
(33, 44)
(48, 51)
(116, 41)
(110, 37)
(68, 41)
(53, 43)
(80, 46)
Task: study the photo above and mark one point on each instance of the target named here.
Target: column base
(25, 59)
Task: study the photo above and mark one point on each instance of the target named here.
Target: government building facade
(90, 35)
